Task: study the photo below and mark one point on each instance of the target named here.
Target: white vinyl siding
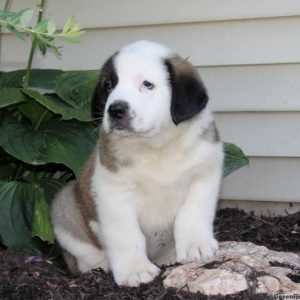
(247, 52)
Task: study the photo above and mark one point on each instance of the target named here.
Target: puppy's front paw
(191, 248)
(135, 272)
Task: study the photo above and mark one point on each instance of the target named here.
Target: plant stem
(38, 124)
(26, 78)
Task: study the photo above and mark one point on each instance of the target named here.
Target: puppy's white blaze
(146, 50)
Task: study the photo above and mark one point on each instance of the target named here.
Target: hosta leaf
(24, 213)
(41, 223)
(39, 78)
(67, 142)
(34, 111)
(10, 95)
(234, 158)
(76, 88)
(12, 78)
(56, 105)
(16, 210)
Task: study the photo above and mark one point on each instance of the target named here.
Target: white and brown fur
(147, 196)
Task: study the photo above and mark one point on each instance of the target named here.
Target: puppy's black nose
(118, 109)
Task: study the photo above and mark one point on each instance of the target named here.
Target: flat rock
(238, 266)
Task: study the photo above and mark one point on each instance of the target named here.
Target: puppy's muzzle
(119, 116)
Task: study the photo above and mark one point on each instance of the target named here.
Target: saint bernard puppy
(147, 196)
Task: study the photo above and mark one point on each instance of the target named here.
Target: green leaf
(45, 79)
(24, 213)
(66, 142)
(6, 13)
(41, 27)
(234, 158)
(10, 95)
(51, 27)
(15, 32)
(68, 25)
(16, 211)
(41, 45)
(39, 78)
(15, 20)
(26, 17)
(47, 43)
(41, 224)
(76, 88)
(33, 111)
(12, 78)
(74, 33)
(57, 106)
(68, 40)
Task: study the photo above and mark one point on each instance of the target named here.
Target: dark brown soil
(21, 279)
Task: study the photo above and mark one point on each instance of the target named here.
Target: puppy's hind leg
(80, 251)
(71, 262)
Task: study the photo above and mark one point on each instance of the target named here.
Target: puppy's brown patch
(183, 68)
(107, 157)
(82, 191)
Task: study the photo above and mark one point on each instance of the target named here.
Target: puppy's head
(144, 88)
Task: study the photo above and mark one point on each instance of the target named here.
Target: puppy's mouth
(121, 125)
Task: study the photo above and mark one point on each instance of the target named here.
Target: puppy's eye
(148, 85)
(108, 85)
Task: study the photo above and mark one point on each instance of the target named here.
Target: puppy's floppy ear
(97, 107)
(189, 95)
(106, 83)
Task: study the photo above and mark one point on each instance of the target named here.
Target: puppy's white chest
(161, 187)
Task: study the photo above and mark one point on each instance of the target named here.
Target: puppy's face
(144, 88)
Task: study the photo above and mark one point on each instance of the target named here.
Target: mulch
(22, 279)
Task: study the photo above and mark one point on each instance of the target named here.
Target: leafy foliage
(39, 150)
(234, 159)
(44, 32)
(39, 132)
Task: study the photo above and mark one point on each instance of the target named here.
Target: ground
(21, 279)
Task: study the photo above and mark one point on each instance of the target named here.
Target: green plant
(39, 132)
(45, 137)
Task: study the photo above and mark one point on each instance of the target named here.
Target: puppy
(147, 195)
